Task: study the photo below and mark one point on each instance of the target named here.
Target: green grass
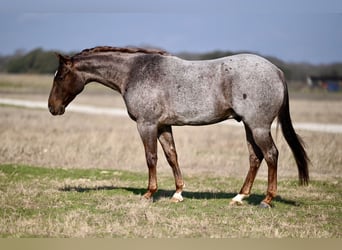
(45, 202)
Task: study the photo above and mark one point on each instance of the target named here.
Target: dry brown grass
(320, 111)
(34, 137)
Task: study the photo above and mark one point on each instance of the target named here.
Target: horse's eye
(59, 76)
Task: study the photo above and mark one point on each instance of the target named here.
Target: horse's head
(67, 84)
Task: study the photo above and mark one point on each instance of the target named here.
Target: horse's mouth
(57, 111)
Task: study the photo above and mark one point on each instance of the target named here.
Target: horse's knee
(151, 159)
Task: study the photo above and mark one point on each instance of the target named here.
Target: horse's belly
(197, 121)
(200, 106)
(199, 114)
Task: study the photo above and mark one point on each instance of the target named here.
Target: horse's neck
(108, 69)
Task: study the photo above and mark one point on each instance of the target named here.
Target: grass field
(83, 175)
(43, 202)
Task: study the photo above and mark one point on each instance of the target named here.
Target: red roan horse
(161, 90)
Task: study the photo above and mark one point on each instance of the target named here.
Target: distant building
(329, 83)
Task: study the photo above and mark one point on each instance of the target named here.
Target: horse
(161, 90)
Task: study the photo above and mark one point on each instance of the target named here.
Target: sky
(292, 30)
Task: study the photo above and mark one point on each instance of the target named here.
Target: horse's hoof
(235, 203)
(177, 197)
(264, 205)
(146, 198)
(146, 201)
(174, 200)
(237, 200)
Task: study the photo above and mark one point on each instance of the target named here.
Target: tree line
(36, 61)
(40, 61)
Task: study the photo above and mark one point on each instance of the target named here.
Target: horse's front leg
(148, 134)
(166, 140)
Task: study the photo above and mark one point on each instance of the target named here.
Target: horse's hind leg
(255, 158)
(263, 139)
(166, 140)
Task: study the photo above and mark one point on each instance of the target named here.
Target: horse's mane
(130, 50)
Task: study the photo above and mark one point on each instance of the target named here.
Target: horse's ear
(63, 59)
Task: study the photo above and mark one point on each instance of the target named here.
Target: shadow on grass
(253, 199)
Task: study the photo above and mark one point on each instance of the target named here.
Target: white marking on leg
(178, 196)
(239, 197)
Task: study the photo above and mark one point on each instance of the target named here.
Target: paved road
(319, 127)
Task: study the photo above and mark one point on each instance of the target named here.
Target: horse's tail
(294, 141)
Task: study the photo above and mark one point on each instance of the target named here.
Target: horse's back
(184, 92)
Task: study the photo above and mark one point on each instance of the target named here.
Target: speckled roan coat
(161, 90)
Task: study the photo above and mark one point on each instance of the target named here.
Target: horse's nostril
(56, 111)
(51, 109)
(61, 110)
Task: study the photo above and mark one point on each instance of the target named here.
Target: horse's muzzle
(57, 110)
